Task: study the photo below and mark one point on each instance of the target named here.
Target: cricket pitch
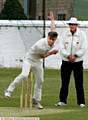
(12, 111)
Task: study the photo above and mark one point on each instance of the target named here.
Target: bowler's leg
(38, 72)
(18, 79)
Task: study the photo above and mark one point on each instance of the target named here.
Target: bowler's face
(51, 40)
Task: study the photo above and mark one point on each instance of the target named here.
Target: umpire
(73, 47)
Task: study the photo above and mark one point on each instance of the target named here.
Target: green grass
(51, 89)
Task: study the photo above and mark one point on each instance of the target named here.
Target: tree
(12, 11)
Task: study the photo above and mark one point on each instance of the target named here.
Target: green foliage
(12, 11)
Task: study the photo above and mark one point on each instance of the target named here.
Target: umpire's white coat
(76, 45)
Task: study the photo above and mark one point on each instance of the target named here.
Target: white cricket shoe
(60, 104)
(82, 105)
(7, 94)
(37, 104)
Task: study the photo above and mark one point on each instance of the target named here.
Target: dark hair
(53, 34)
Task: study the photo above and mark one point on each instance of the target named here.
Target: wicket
(22, 93)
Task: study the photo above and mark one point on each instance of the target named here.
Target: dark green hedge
(12, 11)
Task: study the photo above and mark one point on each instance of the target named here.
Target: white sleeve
(84, 45)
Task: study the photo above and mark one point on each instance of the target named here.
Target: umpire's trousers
(66, 69)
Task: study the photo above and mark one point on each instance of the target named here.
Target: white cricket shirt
(40, 47)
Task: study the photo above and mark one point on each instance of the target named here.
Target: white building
(16, 37)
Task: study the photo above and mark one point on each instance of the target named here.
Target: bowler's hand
(54, 51)
(50, 16)
(48, 53)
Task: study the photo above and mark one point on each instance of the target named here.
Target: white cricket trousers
(37, 70)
